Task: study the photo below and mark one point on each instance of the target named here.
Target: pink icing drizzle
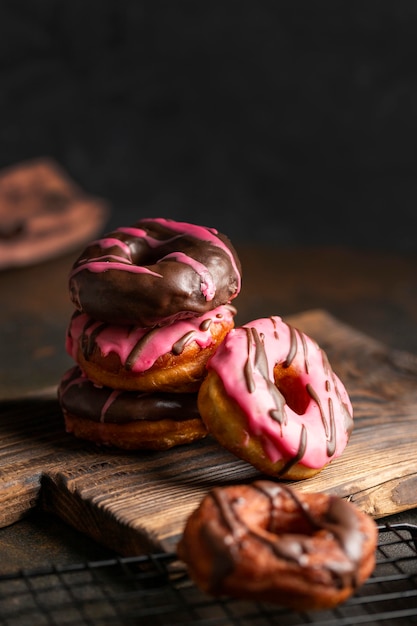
(322, 430)
(112, 242)
(67, 381)
(104, 266)
(123, 339)
(112, 397)
(207, 284)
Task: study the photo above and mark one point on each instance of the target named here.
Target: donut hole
(291, 523)
(293, 389)
(305, 515)
(287, 518)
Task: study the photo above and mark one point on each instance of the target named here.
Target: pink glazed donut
(154, 272)
(271, 398)
(170, 358)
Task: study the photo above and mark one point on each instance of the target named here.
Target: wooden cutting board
(134, 502)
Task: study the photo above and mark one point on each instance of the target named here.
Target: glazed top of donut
(154, 272)
(139, 348)
(289, 536)
(82, 398)
(285, 387)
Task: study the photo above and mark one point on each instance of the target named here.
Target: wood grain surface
(133, 502)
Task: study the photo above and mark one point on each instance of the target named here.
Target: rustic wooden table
(372, 291)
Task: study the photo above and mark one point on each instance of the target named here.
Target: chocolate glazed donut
(106, 405)
(266, 542)
(129, 420)
(155, 272)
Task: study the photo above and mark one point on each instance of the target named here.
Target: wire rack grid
(155, 590)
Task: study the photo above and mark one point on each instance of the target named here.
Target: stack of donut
(152, 304)
(160, 363)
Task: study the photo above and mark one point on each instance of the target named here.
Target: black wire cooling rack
(156, 590)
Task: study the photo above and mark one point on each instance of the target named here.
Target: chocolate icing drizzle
(300, 453)
(228, 537)
(293, 347)
(260, 363)
(329, 426)
(88, 341)
(135, 353)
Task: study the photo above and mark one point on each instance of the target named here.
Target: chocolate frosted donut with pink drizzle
(272, 398)
(154, 272)
(114, 406)
(128, 419)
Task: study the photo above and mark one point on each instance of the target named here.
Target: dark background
(283, 123)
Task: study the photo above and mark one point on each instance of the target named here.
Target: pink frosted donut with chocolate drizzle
(271, 398)
(155, 271)
(164, 358)
(129, 420)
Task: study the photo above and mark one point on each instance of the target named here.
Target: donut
(127, 419)
(271, 398)
(44, 213)
(153, 272)
(265, 542)
(168, 358)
